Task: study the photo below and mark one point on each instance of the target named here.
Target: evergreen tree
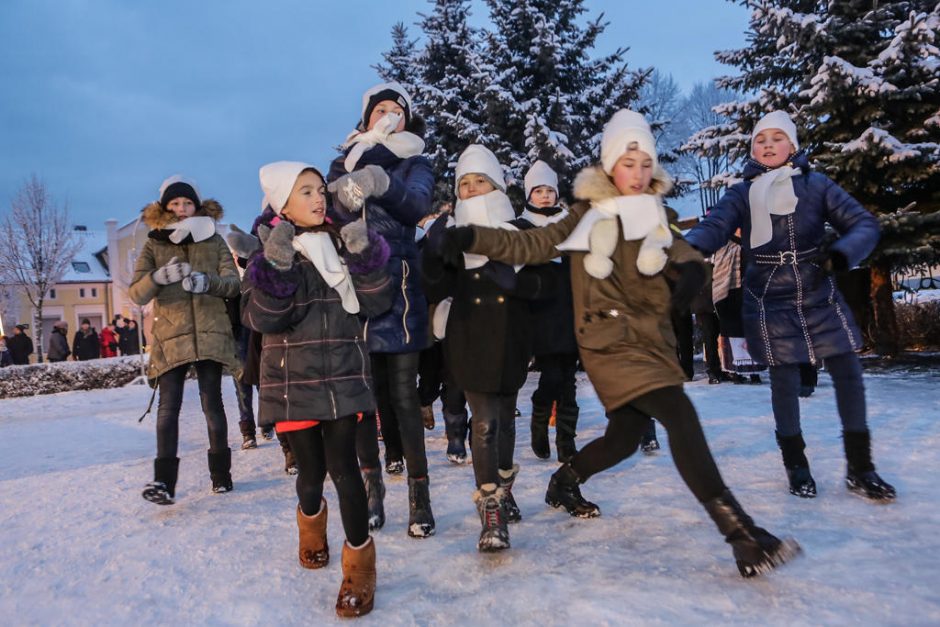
(400, 63)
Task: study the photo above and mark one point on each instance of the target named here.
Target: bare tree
(39, 246)
(706, 160)
(662, 100)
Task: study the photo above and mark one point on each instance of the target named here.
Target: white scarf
(493, 210)
(539, 220)
(200, 227)
(319, 249)
(641, 217)
(402, 145)
(770, 193)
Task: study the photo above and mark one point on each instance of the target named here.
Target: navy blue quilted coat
(793, 312)
(404, 328)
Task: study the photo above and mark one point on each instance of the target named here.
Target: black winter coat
(314, 361)
(553, 315)
(86, 346)
(58, 346)
(20, 347)
(404, 327)
(488, 338)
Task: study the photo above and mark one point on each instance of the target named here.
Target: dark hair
(86, 321)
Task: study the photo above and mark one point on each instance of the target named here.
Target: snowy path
(78, 545)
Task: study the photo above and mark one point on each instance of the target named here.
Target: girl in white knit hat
(622, 250)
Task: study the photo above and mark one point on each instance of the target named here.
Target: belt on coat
(784, 257)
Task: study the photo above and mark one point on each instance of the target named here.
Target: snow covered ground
(78, 546)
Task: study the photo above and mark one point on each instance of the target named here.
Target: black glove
(691, 281)
(456, 242)
(501, 274)
(831, 261)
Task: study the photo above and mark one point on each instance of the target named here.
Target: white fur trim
(538, 175)
(779, 120)
(478, 159)
(624, 128)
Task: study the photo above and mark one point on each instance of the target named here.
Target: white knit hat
(623, 129)
(277, 181)
(477, 159)
(778, 120)
(538, 175)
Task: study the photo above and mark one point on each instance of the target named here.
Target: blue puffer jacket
(793, 312)
(404, 328)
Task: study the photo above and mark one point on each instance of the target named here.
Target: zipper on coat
(326, 364)
(405, 271)
(192, 307)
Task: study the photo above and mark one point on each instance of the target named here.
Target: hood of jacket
(156, 217)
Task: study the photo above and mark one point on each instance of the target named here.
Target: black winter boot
(563, 491)
(494, 535)
(420, 518)
(566, 424)
(162, 490)
(539, 429)
(455, 426)
(860, 476)
(375, 493)
(797, 466)
(648, 443)
(510, 508)
(756, 550)
(220, 467)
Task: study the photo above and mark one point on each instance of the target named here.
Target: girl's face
(382, 109)
(543, 196)
(772, 148)
(306, 205)
(182, 208)
(633, 172)
(473, 185)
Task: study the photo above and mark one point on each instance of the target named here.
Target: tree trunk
(885, 332)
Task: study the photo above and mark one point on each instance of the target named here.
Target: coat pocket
(600, 330)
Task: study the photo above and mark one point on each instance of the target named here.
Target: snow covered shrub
(69, 375)
(919, 324)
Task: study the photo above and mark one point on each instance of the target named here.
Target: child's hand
(691, 280)
(455, 243)
(278, 244)
(355, 236)
(173, 271)
(196, 283)
(352, 189)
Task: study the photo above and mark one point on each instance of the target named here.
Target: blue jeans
(846, 373)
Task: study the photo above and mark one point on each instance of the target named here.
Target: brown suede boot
(314, 551)
(357, 592)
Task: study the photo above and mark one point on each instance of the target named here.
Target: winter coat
(792, 311)
(85, 345)
(314, 360)
(622, 323)
(58, 345)
(553, 314)
(20, 347)
(488, 338)
(5, 358)
(186, 327)
(394, 216)
(129, 341)
(109, 342)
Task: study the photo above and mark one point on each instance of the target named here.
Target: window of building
(81, 292)
(51, 294)
(94, 292)
(81, 266)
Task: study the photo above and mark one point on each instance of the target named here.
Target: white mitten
(173, 271)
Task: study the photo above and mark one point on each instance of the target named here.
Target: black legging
(367, 441)
(209, 374)
(330, 447)
(708, 322)
(557, 380)
(492, 434)
(396, 395)
(626, 426)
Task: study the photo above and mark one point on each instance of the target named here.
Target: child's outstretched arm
(721, 222)
(858, 229)
(530, 247)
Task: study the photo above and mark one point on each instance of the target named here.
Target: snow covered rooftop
(86, 267)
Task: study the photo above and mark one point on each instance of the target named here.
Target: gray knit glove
(242, 244)
(173, 271)
(196, 283)
(356, 236)
(278, 244)
(352, 189)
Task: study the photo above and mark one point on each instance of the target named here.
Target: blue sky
(105, 98)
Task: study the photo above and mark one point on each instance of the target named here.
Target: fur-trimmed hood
(593, 184)
(156, 217)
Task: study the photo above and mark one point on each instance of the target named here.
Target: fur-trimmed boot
(313, 549)
(494, 536)
(797, 466)
(539, 429)
(756, 550)
(420, 517)
(860, 476)
(162, 490)
(566, 425)
(375, 493)
(455, 426)
(220, 470)
(563, 491)
(506, 479)
(357, 592)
